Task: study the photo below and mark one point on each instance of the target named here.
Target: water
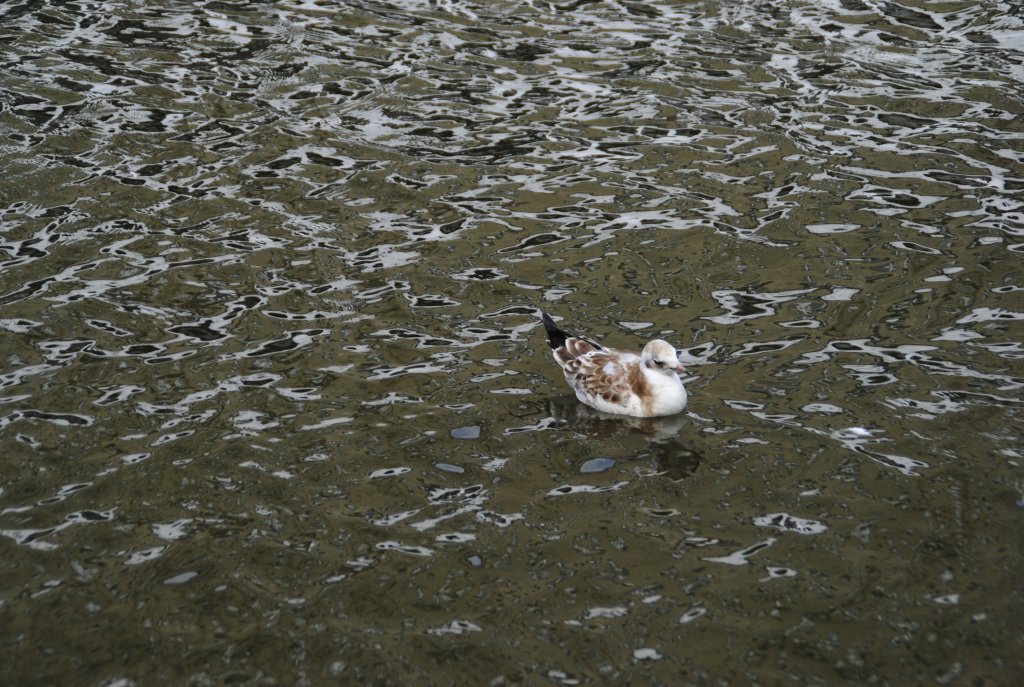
(274, 400)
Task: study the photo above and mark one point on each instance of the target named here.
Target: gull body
(644, 384)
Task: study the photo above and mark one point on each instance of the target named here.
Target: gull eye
(659, 363)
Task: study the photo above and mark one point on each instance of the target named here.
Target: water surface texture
(275, 405)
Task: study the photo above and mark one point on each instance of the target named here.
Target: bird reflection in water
(673, 458)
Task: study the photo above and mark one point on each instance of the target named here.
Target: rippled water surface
(275, 405)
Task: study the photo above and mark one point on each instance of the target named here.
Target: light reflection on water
(274, 402)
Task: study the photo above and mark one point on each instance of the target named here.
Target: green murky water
(275, 406)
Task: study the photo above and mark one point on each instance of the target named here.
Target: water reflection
(269, 278)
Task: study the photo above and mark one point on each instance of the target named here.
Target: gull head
(659, 355)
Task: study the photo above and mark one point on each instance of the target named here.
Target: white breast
(667, 393)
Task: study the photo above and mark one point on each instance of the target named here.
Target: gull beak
(680, 369)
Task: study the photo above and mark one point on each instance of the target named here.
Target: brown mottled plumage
(640, 385)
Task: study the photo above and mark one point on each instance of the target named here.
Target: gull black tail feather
(556, 337)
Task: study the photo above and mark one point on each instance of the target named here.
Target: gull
(644, 384)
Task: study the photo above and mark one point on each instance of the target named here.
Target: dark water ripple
(275, 407)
